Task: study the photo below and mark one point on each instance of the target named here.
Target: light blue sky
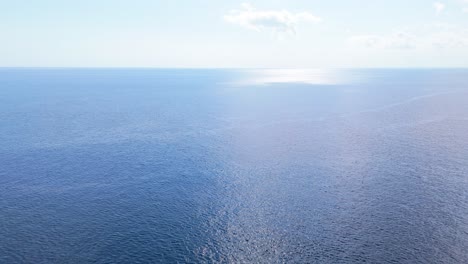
(202, 33)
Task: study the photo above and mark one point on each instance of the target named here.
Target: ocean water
(233, 166)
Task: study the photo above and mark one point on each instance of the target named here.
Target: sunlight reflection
(305, 76)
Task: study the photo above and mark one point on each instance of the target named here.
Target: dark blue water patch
(136, 198)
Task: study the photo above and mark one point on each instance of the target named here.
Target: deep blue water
(262, 166)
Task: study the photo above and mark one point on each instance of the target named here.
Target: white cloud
(464, 8)
(445, 36)
(397, 40)
(432, 36)
(439, 7)
(277, 20)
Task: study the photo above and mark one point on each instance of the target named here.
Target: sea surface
(233, 166)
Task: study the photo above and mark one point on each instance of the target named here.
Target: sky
(234, 34)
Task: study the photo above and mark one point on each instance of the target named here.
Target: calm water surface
(261, 166)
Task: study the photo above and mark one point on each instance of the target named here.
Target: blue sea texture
(233, 166)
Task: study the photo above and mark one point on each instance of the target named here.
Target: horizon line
(226, 68)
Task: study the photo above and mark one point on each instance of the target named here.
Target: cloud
(464, 4)
(445, 36)
(277, 20)
(397, 40)
(431, 36)
(439, 7)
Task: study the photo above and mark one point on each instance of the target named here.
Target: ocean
(233, 166)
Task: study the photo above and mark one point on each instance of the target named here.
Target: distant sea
(233, 166)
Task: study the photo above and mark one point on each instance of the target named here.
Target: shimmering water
(262, 166)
